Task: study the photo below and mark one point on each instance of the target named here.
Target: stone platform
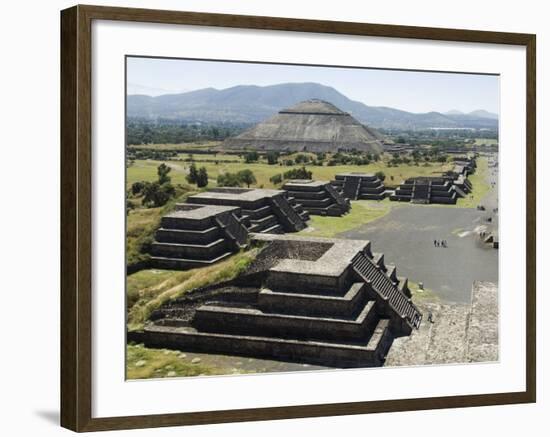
(317, 197)
(357, 186)
(198, 235)
(263, 210)
(426, 190)
(330, 302)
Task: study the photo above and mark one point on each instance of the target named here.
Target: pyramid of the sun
(313, 126)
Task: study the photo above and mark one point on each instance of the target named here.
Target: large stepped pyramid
(331, 302)
(358, 186)
(317, 197)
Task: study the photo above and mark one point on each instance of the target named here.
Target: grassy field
(146, 170)
(480, 186)
(149, 289)
(144, 363)
(486, 141)
(182, 146)
(362, 211)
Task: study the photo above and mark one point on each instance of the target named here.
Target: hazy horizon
(412, 91)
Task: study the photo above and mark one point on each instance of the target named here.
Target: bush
(251, 157)
(155, 194)
(193, 174)
(202, 177)
(137, 187)
(272, 158)
(297, 173)
(229, 180)
(276, 179)
(246, 177)
(380, 175)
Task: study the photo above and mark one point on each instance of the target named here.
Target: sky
(411, 91)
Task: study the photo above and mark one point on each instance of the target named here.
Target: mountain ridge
(253, 103)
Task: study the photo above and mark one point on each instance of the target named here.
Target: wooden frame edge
(76, 222)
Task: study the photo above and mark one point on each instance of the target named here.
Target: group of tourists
(440, 243)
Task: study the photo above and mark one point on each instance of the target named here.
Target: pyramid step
(275, 229)
(282, 302)
(264, 222)
(369, 353)
(192, 236)
(248, 321)
(254, 214)
(184, 263)
(192, 251)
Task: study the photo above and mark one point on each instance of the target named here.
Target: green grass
(142, 363)
(149, 289)
(182, 146)
(146, 170)
(141, 224)
(362, 211)
(480, 186)
(486, 141)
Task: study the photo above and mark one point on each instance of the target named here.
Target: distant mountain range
(252, 104)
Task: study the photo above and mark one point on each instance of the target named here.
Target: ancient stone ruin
(313, 126)
(267, 211)
(198, 235)
(357, 186)
(317, 197)
(425, 190)
(309, 300)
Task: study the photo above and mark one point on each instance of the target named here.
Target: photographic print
(300, 217)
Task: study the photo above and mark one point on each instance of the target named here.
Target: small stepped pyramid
(263, 211)
(197, 235)
(359, 186)
(342, 308)
(317, 197)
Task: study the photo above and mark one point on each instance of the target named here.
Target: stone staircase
(387, 289)
(351, 187)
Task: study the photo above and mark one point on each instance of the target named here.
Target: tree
(247, 177)
(380, 175)
(193, 174)
(202, 177)
(276, 179)
(162, 172)
(229, 180)
(155, 194)
(298, 173)
(137, 187)
(251, 156)
(272, 157)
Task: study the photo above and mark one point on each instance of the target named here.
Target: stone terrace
(426, 190)
(197, 235)
(332, 303)
(317, 197)
(263, 210)
(357, 186)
